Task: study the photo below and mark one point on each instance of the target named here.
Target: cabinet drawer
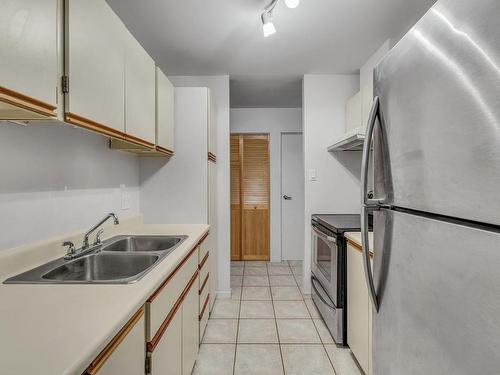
(204, 267)
(163, 300)
(204, 247)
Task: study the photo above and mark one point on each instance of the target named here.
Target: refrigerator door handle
(365, 163)
(366, 256)
(368, 204)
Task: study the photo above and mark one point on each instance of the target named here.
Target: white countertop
(356, 238)
(60, 329)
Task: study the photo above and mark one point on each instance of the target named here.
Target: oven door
(325, 261)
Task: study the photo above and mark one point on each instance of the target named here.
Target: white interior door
(292, 197)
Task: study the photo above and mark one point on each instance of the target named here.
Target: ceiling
(202, 37)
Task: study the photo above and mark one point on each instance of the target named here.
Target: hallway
(269, 328)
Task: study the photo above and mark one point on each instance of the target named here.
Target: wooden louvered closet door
(250, 197)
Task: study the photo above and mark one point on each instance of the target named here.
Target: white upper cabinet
(164, 111)
(140, 94)
(354, 112)
(95, 58)
(28, 57)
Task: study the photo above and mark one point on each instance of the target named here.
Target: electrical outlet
(312, 175)
(125, 201)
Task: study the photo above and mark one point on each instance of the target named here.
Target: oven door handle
(324, 236)
(315, 280)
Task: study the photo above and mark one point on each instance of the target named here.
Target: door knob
(287, 198)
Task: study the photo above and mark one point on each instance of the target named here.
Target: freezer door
(439, 91)
(438, 286)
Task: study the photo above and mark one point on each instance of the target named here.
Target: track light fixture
(267, 16)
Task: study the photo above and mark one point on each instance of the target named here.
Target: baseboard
(224, 294)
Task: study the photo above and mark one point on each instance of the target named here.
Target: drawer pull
(202, 263)
(204, 284)
(204, 307)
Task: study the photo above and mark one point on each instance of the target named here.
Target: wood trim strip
(139, 141)
(115, 342)
(26, 102)
(164, 150)
(172, 274)
(212, 157)
(151, 346)
(200, 317)
(357, 247)
(202, 239)
(93, 126)
(204, 284)
(204, 260)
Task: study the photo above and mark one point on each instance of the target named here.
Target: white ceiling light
(267, 16)
(292, 3)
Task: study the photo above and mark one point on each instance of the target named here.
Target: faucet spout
(95, 227)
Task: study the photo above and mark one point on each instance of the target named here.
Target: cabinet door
(212, 124)
(127, 352)
(212, 220)
(190, 329)
(167, 356)
(164, 111)
(353, 112)
(95, 58)
(358, 306)
(367, 101)
(28, 53)
(140, 96)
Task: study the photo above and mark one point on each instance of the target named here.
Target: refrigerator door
(438, 285)
(439, 91)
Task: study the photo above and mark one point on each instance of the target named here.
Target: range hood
(353, 140)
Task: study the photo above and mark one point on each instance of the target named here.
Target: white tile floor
(269, 327)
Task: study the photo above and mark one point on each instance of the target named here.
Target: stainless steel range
(328, 270)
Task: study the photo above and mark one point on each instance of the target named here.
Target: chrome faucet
(91, 230)
(73, 253)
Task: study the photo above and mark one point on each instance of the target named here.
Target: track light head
(267, 24)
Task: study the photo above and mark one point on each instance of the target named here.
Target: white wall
(273, 121)
(174, 191)
(337, 188)
(219, 86)
(56, 179)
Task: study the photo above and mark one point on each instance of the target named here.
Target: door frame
(281, 182)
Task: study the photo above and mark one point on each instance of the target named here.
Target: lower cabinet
(163, 337)
(166, 359)
(124, 355)
(359, 309)
(190, 329)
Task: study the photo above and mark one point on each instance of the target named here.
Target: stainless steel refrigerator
(435, 122)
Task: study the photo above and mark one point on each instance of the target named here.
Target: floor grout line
(238, 322)
(276, 324)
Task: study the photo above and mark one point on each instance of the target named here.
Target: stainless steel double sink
(118, 260)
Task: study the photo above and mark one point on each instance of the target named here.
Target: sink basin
(141, 243)
(102, 267)
(119, 260)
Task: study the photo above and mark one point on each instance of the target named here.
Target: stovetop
(341, 223)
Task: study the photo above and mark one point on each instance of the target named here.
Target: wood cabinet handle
(111, 347)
